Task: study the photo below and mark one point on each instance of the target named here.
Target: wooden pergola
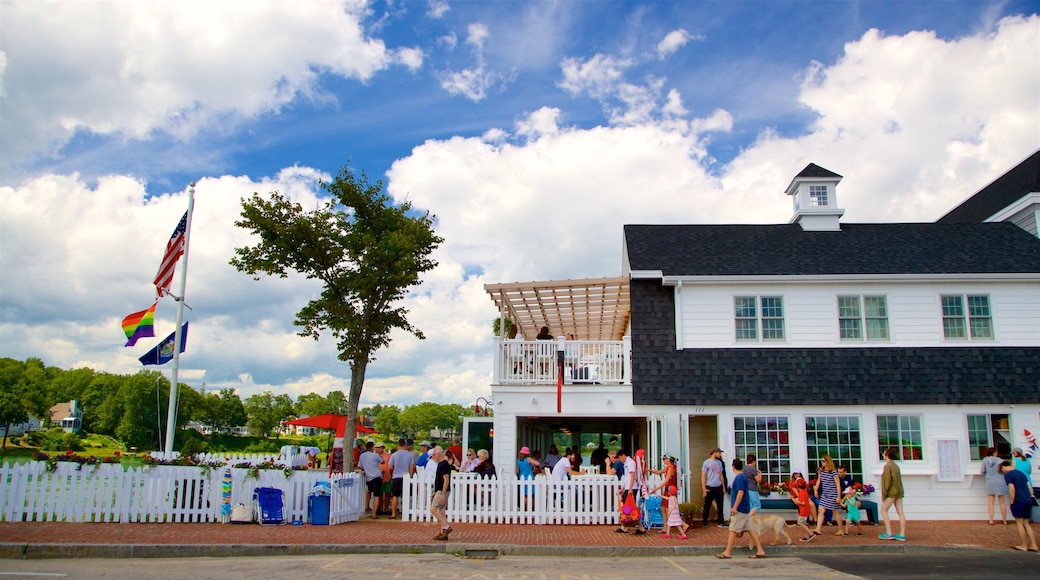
(589, 309)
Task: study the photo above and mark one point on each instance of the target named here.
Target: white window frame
(757, 321)
(968, 317)
(910, 431)
(818, 195)
(863, 319)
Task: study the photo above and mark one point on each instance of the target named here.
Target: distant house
(68, 415)
(19, 429)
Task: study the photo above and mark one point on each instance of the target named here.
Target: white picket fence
(108, 493)
(590, 499)
(240, 458)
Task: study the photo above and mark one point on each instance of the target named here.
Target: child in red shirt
(799, 490)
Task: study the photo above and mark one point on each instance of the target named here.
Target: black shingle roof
(814, 170)
(1023, 179)
(662, 375)
(786, 249)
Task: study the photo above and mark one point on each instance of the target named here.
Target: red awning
(330, 421)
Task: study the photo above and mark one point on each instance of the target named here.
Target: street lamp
(476, 407)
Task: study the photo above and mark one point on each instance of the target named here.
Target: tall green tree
(366, 251)
(388, 421)
(266, 411)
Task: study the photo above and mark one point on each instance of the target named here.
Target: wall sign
(948, 452)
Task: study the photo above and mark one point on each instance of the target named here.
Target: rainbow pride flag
(140, 324)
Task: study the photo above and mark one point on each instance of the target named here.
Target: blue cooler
(318, 510)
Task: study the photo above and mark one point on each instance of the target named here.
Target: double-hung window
(967, 317)
(863, 316)
(753, 312)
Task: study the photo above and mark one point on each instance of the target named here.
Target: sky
(532, 131)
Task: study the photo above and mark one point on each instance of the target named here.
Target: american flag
(174, 250)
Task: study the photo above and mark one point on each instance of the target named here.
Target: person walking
(441, 491)
(828, 485)
(892, 495)
(713, 486)
(740, 514)
(1021, 496)
(996, 489)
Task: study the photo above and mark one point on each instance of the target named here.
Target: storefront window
(838, 437)
(767, 438)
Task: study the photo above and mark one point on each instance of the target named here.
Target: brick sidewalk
(390, 535)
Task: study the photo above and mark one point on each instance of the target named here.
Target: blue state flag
(163, 352)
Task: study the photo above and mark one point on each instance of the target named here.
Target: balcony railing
(536, 362)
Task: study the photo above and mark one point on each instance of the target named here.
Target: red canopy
(330, 421)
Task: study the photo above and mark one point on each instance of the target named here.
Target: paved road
(444, 566)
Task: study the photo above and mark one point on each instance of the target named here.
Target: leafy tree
(367, 253)
(312, 404)
(12, 411)
(266, 411)
(337, 402)
(222, 410)
(425, 416)
(388, 421)
(69, 385)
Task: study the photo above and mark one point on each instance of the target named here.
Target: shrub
(58, 440)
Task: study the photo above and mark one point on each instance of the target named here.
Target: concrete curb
(56, 550)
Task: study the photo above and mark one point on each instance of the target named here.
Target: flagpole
(171, 414)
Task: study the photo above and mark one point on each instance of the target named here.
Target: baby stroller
(267, 502)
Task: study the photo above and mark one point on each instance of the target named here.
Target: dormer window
(817, 196)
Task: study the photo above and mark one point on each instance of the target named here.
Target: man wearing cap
(424, 454)
(402, 463)
(370, 463)
(713, 487)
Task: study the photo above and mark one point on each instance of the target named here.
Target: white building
(796, 340)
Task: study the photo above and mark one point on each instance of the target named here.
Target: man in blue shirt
(740, 513)
(425, 455)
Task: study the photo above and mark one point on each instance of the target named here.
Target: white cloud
(133, 68)
(915, 123)
(544, 121)
(672, 42)
(473, 82)
(477, 33)
(437, 8)
(597, 76)
(410, 57)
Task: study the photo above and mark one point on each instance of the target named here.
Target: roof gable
(1010, 187)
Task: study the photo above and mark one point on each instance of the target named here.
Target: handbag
(241, 514)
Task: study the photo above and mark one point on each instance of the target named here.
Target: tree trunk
(357, 381)
(7, 428)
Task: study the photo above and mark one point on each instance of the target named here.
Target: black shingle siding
(816, 376)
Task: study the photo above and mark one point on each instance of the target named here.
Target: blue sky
(532, 130)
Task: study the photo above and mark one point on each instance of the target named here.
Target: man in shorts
(371, 463)
(740, 513)
(402, 463)
(441, 492)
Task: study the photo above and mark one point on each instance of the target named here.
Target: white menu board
(948, 452)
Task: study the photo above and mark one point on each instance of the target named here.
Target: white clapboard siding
(159, 494)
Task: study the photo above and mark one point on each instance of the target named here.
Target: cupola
(815, 199)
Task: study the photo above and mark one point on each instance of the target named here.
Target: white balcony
(537, 362)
